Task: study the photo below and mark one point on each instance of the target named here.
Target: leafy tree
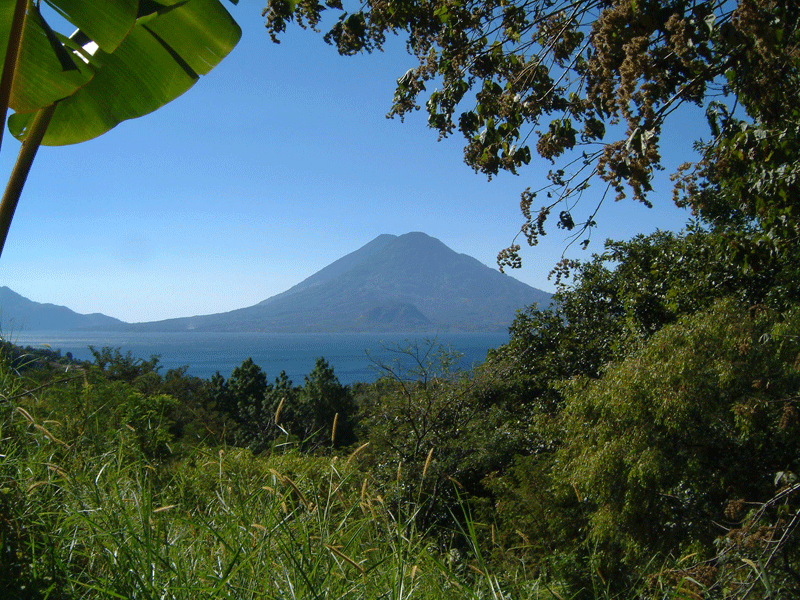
(593, 85)
(416, 403)
(648, 451)
(619, 298)
(612, 311)
(196, 415)
(265, 412)
(746, 184)
(247, 385)
(218, 392)
(322, 402)
(433, 428)
(246, 390)
(615, 300)
(119, 367)
(746, 187)
(282, 394)
(703, 415)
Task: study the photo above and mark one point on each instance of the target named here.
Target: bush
(702, 416)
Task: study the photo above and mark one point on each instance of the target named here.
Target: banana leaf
(134, 71)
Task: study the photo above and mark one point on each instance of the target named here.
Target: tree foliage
(324, 409)
(318, 413)
(593, 86)
(703, 416)
(660, 389)
(611, 304)
(246, 396)
(436, 430)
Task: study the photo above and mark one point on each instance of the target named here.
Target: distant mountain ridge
(406, 283)
(17, 314)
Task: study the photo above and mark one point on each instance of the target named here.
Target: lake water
(206, 353)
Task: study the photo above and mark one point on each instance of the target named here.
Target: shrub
(701, 416)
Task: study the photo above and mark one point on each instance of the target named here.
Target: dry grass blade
(346, 558)
(57, 470)
(50, 436)
(297, 492)
(26, 415)
(356, 452)
(35, 485)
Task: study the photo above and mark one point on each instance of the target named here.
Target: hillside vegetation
(641, 439)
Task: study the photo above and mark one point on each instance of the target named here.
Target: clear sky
(271, 167)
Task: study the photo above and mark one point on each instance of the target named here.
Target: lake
(295, 353)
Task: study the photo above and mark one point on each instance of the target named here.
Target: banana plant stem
(21, 169)
(11, 60)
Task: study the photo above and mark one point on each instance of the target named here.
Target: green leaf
(161, 58)
(6, 16)
(47, 71)
(106, 23)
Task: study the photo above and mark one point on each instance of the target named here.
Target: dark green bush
(701, 416)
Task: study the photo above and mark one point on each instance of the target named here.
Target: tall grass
(78, 522)
(234, 528)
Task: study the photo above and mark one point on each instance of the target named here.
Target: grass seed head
(427, 463)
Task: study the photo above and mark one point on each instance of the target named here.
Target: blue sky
(274, 165)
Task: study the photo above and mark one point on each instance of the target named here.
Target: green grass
(228, 526)
(219, 523)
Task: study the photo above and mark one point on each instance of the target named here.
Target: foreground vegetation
(640, 439)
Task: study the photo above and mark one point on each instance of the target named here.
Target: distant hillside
(18, 314)
(411, 282)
